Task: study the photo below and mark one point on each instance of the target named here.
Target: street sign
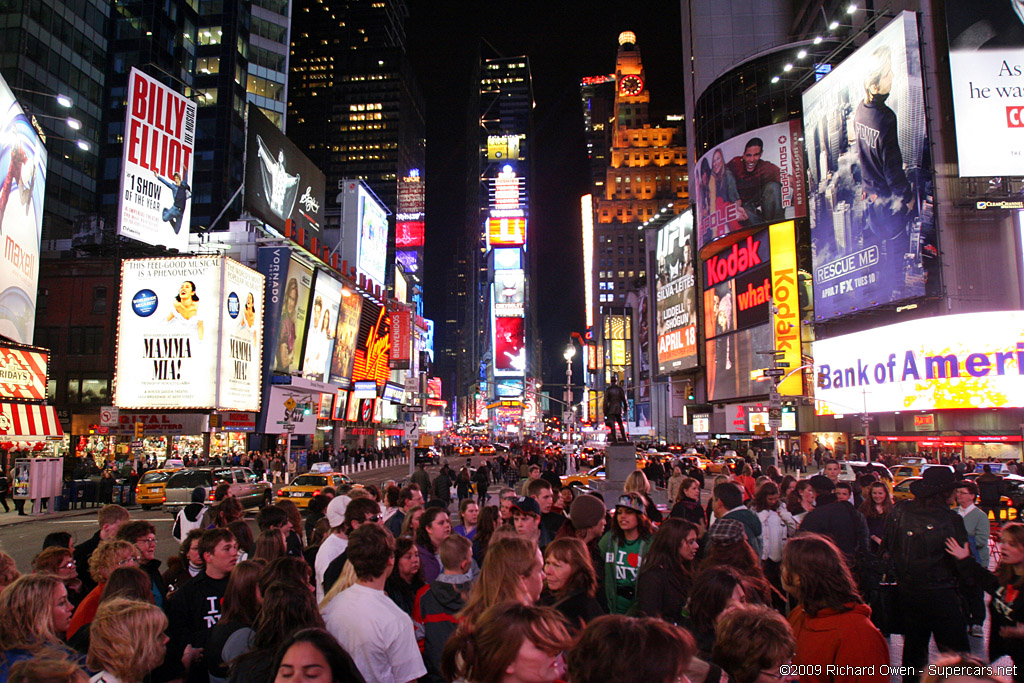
(109, 416)
(782, 363)
(774, 372)
(414, 409)
(775, 414)
(289, 427)
(774, 424)
(412, 430)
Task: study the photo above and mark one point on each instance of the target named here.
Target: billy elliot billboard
(986, 61)
(870, 197)
(156, 164)
(750, 180)
(971, 360)
(676, 293)
(281, 183)
(23, 159)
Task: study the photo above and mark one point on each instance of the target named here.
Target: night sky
(564, 40)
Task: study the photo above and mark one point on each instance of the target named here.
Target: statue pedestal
(619, 463)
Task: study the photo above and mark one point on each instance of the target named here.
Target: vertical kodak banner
(786, 299)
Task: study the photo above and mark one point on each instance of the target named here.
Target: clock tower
(631, 96)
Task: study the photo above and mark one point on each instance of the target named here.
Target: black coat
(661, 592)
(578, 608)
(915, 536)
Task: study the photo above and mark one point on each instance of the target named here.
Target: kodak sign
(786, 298)
(743, 256)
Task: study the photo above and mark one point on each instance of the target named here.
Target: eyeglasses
(147, 541)
(128, 560)
(69, 564)
(372, 518)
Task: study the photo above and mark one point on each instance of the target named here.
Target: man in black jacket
(194, 609)
(929, 597)
(110, 517)
(836, 519)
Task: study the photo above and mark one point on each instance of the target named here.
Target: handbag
(883, 599)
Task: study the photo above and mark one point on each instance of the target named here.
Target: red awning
(29, 422)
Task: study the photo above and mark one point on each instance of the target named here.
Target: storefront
(161, 436)
(976, 447)
(29, 430)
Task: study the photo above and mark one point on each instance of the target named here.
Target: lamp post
(570, 352)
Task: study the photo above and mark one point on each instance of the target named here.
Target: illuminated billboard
(373, 349)
(409, 234)
(985, 41)
(323, 318)
(730, 360)
(786, 303)
(507, 193)
(504, 147)
(155, 204)
(508, 259)
(189, 334)
(292, 323)
(364, 230)
(346, 336)
(971, 360)
(750, 180)
(676, 293)
(509, 346)
(23, 160)
(509, 293)
(506, 232)
(872, 221)
(281, 183)
(23, 373)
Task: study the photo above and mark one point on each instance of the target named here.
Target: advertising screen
(986, 43)
(731, 359)
(155, 205)
(508, 259)
(323, 319)
(870, 189)
(753, 291)
(340, 405)
(506, 232)
(409, 234)
(179, 320)
(23, 373)
(507, 193)
(676, 293)
(374, 347)
(373, 238)
(719, 309)
(971, 360)
(352, 412)
(750, 180)
(292, 325)
(786, 304)
(509, 346)
(401, 339)
(502, 147)
(509, 293)
(281, 183)
(701, 423)
(345, 336)
(23, 160)
(241, 343)
(410, 259)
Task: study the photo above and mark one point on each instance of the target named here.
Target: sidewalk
(12, 518)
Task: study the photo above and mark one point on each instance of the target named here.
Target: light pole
(570, 352)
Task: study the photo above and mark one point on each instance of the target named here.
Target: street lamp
(570, 352)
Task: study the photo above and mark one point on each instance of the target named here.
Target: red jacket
(847, 640)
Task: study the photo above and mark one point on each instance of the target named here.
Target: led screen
(972, 360)
(871, 199)
(506, 232)
(509, 346)
(323, 319)
(509, 293)
(508, 259)
(292, 325)
(731, 359)
(373, 238)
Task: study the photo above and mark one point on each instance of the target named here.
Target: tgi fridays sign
(22, 374)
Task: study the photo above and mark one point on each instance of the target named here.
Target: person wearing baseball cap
(526, 519)
(915, 537)
(335, 543)
(624, 547)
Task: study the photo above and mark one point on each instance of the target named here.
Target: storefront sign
(237, 422)
(160, 424)
(972, 360)
(23, 373)
(924, 422)
(374, 348)
(401, 339)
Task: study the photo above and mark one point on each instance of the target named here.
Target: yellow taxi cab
(305, 486)
(727, 465)
(901, 491)
(1007, 512)
(584, 478)
(466, 449)
(486, 449)
(903, 471)
(149, 492)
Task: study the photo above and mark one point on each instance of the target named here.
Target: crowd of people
(774, 578)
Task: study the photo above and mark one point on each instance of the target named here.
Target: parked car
(245, 485)
(149, 492)
(852, 470)
(306, 486)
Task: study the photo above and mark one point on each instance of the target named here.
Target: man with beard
(758, 183)
(887, 192)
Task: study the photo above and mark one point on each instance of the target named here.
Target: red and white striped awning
(29, 422)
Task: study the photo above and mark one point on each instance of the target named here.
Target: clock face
(631, 85)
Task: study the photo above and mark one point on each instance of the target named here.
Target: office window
(99, 299)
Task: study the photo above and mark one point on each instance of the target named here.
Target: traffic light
(140, 430)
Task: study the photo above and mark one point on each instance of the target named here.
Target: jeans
(927, 612)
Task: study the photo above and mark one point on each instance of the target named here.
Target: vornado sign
(739, 259)
(973, 360)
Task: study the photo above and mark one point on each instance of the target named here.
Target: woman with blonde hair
(60, 561)
(412, 522)
(34, 614)
(510, 643)
(638, 483)
(108, 556)
(513, 570)
(126, 641)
